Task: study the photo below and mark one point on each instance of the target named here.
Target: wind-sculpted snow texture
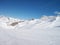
(43, 31)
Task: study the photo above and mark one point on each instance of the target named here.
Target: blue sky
(28, 8)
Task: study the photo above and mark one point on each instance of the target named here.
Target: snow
(31, 32)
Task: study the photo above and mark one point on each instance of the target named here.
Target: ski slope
(43, 31)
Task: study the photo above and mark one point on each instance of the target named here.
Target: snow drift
(43, 31)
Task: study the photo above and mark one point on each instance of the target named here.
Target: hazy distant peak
(48, 18)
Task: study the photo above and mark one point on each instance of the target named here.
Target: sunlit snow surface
(32, 32)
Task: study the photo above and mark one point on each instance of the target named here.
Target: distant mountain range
(45, 21)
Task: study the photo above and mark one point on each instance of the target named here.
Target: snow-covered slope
(43, 31)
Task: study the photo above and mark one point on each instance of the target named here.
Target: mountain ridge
(45, 21)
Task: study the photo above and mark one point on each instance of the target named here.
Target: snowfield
(43, 31)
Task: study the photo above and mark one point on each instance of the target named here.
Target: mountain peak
(48, 18)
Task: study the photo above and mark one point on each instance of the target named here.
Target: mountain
(45, 21)
(43, 31)
(7, 22)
